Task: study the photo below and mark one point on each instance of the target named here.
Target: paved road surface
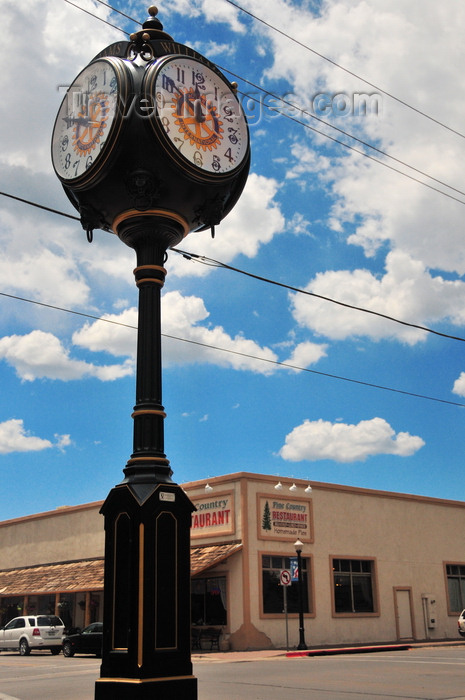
(432, 673)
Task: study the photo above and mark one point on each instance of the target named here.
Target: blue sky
(314, 215)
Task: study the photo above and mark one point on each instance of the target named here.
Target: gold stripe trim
(163, 213)
(150, 279)
(140, 634)
(148, 459)
(148, 412)
(113, 622)
(159, 268)
(144, 680)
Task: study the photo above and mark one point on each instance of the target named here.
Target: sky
(355, 195)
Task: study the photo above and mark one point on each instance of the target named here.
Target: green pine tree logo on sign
(266, 520)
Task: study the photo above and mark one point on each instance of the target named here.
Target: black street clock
(151, 125)
(150, 143)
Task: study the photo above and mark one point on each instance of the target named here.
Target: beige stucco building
(376, 566)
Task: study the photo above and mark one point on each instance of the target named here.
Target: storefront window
(208, 601)
(273, 593)
(456, 585)
(96, 607)
(46, 604)
(353, 585)
(10, 607)
(66, 608)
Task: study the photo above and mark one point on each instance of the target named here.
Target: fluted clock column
(146, 648)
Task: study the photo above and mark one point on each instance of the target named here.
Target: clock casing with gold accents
(152, 129)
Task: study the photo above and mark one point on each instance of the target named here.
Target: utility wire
(40, 206)
(304, 112)
(123, 14)
(367, 155)
(346, 70)
(312, 116)
(97, 17)
(287, 365)
(216, 263)
(308, 48)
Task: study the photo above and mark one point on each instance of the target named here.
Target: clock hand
(82, 121)
(198, 114)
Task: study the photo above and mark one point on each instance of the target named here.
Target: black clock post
(151, 144)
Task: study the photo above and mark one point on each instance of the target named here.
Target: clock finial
(152, 22)
(152, 29)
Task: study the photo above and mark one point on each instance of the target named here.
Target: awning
(67, 577)
(87, 575)
(203, 558)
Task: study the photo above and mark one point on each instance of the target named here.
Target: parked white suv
(32, 632)
(461, 623)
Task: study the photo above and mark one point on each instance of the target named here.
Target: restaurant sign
(214, 515)
(284, 518)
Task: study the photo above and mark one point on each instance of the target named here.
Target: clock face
(199, 116)
(86, 118)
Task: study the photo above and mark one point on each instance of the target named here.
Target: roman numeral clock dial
(199, 119)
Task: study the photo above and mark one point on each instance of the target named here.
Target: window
(456, 586)
(48, 621)
(353, 586)
(208, 601)
(273, 592)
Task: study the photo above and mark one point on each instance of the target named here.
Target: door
(405, 624)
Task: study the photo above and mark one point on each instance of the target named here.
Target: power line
(350, 136)
(97, 17)
(216, 263)
(210, 261)
(123, 14)
(40, 206)
(346, 70)
(278, 363)
(314, 117)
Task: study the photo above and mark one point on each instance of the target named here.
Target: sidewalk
(265, 654)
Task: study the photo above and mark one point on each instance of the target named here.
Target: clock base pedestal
(146, 651)
(149, 689)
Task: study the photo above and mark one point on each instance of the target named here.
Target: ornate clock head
(87, 121)
(199, 119)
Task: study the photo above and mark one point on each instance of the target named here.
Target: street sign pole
(285, 581)
(287, 619)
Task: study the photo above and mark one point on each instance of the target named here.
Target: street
(430, 673)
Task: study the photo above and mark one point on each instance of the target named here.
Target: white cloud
(182, 317)
(62, 441)
(306, 354)
(54, 57)
(407, 291)
(14, 438)
(459, 385)
(388, 46)
(41, 355)
(35, 261)
(341, 442)
(113, 336)
(218, 12)
(253, 222)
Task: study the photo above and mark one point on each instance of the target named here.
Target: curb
(349, 650)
